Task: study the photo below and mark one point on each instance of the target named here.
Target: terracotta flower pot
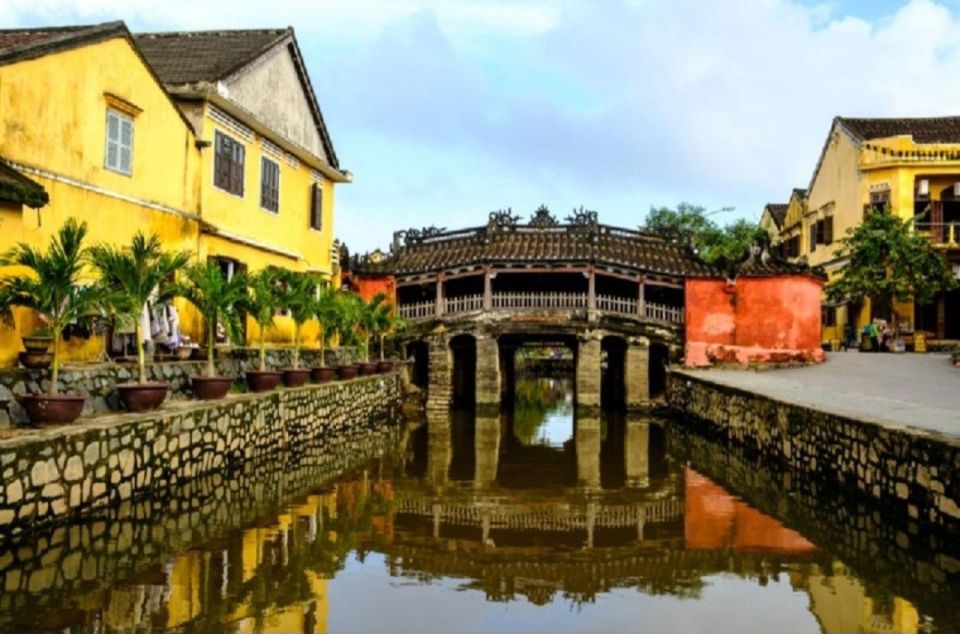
(349, 371)
(366, 369)
(43, 409)
(322, 375)
(385, 366)
(33, 360)
(137, 397)
(37, 344)
(211, 388)
(264, 381)
(295, 378)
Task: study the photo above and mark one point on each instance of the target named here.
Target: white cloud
(622, 103)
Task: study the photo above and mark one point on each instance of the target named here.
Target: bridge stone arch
(578, 279)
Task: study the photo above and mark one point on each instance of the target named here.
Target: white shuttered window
(119, 153)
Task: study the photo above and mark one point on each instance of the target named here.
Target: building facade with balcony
(907, 167)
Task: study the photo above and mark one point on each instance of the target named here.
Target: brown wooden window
(879, 203)
(269, 185)
(228, 164)
(828, 230)
(813, 236)
(828, 316)
(316, 206)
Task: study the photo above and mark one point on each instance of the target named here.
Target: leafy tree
(262, 302)
(298, 294)
(129, 277)
(887, 261)
(329, 309)
(217, 299)
(53, 285)
(689, 226)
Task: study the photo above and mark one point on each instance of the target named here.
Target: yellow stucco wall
(53, 122)
(53, 117)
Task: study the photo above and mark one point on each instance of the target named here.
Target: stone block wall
(56, 473)
(49, 568)
(912, 473)
(98, 381)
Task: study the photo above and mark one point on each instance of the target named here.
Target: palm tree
(298, 295)
(130, 275)
(53, 287)
(379, 319)
(329, 312)
(262, 302)
(217, 299)
(351, 316)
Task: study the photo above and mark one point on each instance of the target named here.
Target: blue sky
(447, 109)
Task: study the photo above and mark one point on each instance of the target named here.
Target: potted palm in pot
(372, 317)
(262, 303)
(350, 314)
(386, 321)
(129, 276)
(298, 295)
(328, 313)
(217, 299)
(54, 288)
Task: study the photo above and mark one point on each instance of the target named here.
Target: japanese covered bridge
(614, 297)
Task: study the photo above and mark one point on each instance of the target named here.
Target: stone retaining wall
(55, 568)
(52, 474)
(910, 472)
(98, 381)
(888, 551)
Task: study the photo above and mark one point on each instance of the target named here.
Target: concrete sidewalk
(920, 391)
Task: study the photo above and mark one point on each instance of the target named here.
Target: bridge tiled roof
(578, 242)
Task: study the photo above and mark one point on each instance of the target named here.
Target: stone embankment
(52, 474)
(911, 472)
(98, 381)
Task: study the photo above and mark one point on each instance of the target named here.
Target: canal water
(532, 521)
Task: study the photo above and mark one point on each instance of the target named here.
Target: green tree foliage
(689, 225)
(298, 294)
(217, 299)
(886, 260)
(131, 274)
(262, 302)
(53, 286)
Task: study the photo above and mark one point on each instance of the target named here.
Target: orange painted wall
(754, 319)
(368, 286)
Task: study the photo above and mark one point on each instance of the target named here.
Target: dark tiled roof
(17, 188)
(923, 130)
(525, 244)
(767, 264)
(22, 44)
(205, 56)
(800, 192)
(778, 211)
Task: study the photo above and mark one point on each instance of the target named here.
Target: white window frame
(121, 119)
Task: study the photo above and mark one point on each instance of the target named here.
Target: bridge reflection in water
(533, 510)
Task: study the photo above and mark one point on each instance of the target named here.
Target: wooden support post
(641, 298)
(439, 307)
(487, 289)
(592, 288)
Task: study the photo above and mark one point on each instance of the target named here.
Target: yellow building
(267, 165)
(214, 141)
(910, 167)
(771, 220)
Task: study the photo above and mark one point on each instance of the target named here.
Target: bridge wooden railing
(521, 302)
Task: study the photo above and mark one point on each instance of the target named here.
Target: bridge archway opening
(464, 351)
(659, 358)
(420, 371)
(613, 385)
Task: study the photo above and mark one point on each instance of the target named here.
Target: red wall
(367, 287)
(753, 320)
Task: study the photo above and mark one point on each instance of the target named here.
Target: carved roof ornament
(583, 217)
(502, 219)
(542, 218)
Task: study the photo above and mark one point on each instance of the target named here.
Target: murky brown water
(525, 523)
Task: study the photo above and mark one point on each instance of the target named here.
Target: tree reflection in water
(470, 504)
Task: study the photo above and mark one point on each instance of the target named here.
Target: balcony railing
(531, 302)
(942, 233)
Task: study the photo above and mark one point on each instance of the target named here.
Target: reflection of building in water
(841, 604)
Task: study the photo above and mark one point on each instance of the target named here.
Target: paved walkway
(920, 391)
